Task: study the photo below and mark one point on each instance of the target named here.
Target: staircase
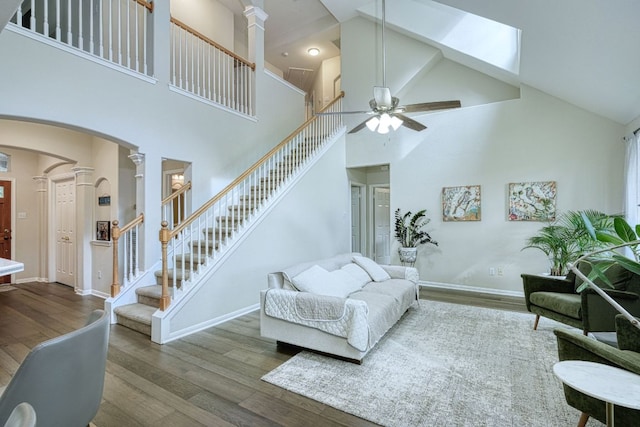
(220, 235)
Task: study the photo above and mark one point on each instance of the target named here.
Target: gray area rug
(444, 365)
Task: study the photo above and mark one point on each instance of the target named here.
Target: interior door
(5, 225)
(382, 224)
(65, 236)
(356, 214)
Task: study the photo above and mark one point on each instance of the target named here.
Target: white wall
(208, 17)
(501, 135)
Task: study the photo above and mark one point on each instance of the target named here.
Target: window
(5, 162)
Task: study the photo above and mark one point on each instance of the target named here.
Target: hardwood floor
(211, 378)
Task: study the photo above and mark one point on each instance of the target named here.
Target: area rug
(444, 365)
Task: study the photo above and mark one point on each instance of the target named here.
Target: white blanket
(342, 317)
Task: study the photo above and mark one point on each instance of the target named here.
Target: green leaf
(623, 230)
(609, 238)
(588, 225)
(627, 263)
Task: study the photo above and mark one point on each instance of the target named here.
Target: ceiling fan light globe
(385, 120)
(382, 130)
(382, 95)
(373, 123)
(396, 122)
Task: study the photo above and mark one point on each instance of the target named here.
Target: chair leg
(535, 324)
(584, 417)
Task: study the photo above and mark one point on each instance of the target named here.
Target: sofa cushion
(567, 304)
(357, 272)
(319, 281)
(617, 275)
(372, 268)
(402, 291)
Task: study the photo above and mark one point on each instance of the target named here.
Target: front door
(382, 224)
(65, 238)
(5, 225)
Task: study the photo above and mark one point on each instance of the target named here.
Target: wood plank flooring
(211, 378)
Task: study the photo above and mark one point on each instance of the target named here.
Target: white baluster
(58, 30)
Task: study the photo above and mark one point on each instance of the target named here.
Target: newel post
(115, 235)
(165, 236)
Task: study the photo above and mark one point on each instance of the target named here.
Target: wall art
(461, 203)
(103, 230)
(532, 201)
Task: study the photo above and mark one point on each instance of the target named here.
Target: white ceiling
(585, 52)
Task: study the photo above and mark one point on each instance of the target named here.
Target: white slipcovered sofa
(341, 305)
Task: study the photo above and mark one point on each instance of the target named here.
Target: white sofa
(341, 305)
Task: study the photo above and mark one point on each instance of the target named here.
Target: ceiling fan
(385, 109)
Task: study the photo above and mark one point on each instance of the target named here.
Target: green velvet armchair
(574, 346)
(557, 299)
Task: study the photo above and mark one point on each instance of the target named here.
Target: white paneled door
(65, 236)
(382, 224)
(356, 214)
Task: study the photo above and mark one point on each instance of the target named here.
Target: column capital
(137, 158)
(255, 16)
(83, 175)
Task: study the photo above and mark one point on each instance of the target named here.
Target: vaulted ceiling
(582, 51)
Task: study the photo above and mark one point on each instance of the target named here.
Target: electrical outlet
(500, 271)
(492, 271)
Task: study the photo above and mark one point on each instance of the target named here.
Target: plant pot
(408, 255)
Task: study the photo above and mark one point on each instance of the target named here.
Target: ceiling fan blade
(410, 123)
(359, 127)
(336, 113)
(430, 106)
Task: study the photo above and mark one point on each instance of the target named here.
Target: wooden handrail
(116, 232)
(176, 194)
(212, 43)
(147, 4)
(246, 173)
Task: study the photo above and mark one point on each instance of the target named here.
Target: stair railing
(204, 68)
(174, 206)
(208, 232)
(114, 30)
(130, 252)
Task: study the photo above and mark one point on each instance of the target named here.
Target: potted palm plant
(568, 238)
(410, 235)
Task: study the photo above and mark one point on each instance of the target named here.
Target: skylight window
(460, 35)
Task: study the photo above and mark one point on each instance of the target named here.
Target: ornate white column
(43, 225)
(138, 159)
(85, 202)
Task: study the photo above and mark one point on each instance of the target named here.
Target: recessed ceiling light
(314, 51)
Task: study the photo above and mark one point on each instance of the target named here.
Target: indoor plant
(568, 237)
(409, 233)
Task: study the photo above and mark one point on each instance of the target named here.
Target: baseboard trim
(470, 289)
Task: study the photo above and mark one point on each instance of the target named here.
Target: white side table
(613, 385)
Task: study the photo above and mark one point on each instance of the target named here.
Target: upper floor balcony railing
(115, 30)
(122, 33)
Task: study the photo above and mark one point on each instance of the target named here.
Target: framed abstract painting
(532, 201)
(461, 203)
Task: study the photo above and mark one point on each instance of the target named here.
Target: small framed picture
(103, 230)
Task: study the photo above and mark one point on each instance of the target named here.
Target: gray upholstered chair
(62, 378)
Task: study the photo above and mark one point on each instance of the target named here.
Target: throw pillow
(343, 281)
(317, 280)
(357, 272)
(376, 272)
